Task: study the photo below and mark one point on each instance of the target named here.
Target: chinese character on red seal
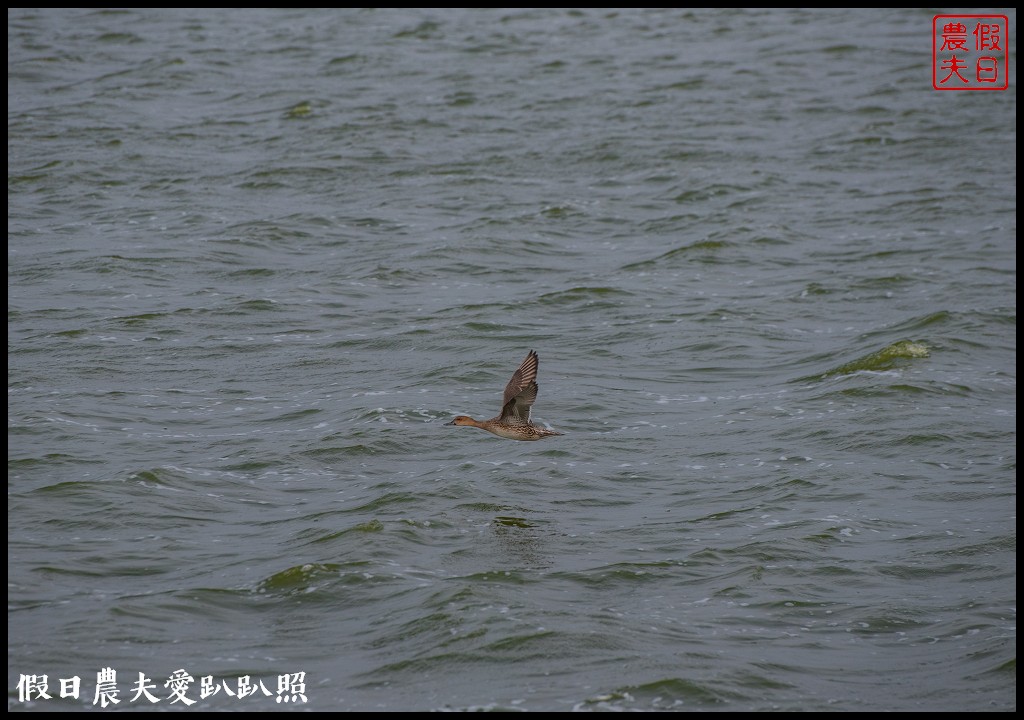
(969, 52)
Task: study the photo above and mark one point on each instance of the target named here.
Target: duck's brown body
(514, 421)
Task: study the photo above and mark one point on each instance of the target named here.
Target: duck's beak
(451, 423)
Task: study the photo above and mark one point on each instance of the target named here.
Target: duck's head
(462, 420)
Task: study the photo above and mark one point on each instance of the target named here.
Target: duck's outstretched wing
(523, 377)
(521, 391)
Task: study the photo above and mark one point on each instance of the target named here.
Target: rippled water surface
(258, 258)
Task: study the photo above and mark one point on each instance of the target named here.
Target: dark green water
(258, 258)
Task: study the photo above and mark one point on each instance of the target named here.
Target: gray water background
(258, 258)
